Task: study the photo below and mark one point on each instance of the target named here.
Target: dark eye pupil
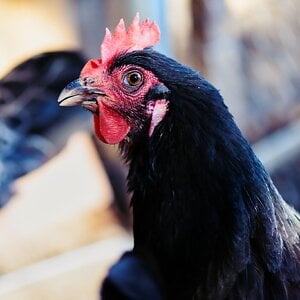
(134, 78)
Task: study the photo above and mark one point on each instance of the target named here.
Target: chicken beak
(76, 93)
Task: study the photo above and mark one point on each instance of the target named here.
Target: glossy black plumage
(203, 205)
(132, 277)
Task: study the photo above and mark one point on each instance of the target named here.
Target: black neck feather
(202, 201)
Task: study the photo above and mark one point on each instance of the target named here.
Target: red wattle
(110, 127)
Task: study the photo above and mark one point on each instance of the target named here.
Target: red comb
(139, 35)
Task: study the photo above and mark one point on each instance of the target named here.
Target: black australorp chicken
(208, 221)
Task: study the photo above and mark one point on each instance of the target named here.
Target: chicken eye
(133, 78)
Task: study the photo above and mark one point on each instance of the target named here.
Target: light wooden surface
(59, 233)
(73, 275)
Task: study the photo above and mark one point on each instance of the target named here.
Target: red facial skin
(122, 102)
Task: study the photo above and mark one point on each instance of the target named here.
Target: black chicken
(208, 221)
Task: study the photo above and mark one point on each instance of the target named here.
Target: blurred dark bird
(28, 110)
(204, 208)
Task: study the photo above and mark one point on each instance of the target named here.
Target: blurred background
(64, 214)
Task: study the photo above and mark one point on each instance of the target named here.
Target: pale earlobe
(157, 109)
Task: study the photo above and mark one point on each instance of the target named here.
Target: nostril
(88, 80)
